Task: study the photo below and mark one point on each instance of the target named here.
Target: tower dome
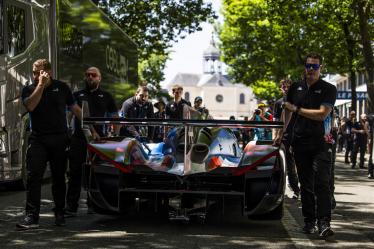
(211, 52)
(211, 62)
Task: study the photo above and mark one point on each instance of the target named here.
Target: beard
(91, 84)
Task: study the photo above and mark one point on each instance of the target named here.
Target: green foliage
(268, 39)
(154, 25)
(150, 70)
(266, 90)
(121, 92)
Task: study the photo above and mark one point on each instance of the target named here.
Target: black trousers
(43, 149)
(77, 156)
(314, 170)
(359, 146)
(348, 147)
(293, 179)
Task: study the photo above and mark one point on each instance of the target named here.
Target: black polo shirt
(175, 110)
(359, 137)
(100, 104)
(49, 116)
(305, 133)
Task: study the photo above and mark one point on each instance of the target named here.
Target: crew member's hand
(44, 78)
(95, 136)
(289, 106)
(277, 141)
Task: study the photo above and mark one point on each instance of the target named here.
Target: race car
(200, 163)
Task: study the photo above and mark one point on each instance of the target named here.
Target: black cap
(198, 98)
(160, 102)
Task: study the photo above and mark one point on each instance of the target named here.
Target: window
(242, 98)
(187, 96)
(219, 98)
(1, 28)
(16, 23)
(362, 78)
(349, 84)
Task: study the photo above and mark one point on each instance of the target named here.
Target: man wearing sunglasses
(100, 104)
(311, 102)
(46, 100)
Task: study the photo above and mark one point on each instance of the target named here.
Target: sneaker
(309, 228)
(370, 176)
(324, 229)
(29, 222)
(59, 219)
(353, 166)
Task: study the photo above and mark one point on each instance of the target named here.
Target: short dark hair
(314, 56)
(177, 87)
(142, 89)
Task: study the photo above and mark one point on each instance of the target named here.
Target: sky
(187, 53)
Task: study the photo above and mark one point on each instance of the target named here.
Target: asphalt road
(353, 223)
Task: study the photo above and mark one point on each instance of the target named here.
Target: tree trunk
(363, 14)
(352, 72)
(363, 8)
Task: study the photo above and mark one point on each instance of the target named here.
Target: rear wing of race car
(194, 152)
(186, 122)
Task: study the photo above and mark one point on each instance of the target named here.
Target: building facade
(343, 84)
(222, 97)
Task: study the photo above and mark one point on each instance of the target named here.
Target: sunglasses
(93, 75)
(309, 66)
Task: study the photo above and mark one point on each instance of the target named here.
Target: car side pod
(199, 153)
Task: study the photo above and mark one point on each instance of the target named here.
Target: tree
(365, 12)
(154, 25)
(266, 90)
(268, 39)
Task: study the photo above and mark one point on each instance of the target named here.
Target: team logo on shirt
(299, 88)
(318, 91)
(81, 95)
(55, 90)
(101, 95)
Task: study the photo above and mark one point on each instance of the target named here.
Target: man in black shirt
(137, 107)
(46, 100)
(311, 102)
(360, 130)
(282, 137)
(159, 131)
(347, 131)
(100, 104)
(174, 109)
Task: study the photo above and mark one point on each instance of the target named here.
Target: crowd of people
(311, 134)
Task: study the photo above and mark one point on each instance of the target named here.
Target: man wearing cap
(198, 106)
(159, 131)
(174, 109)
(281, 137)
